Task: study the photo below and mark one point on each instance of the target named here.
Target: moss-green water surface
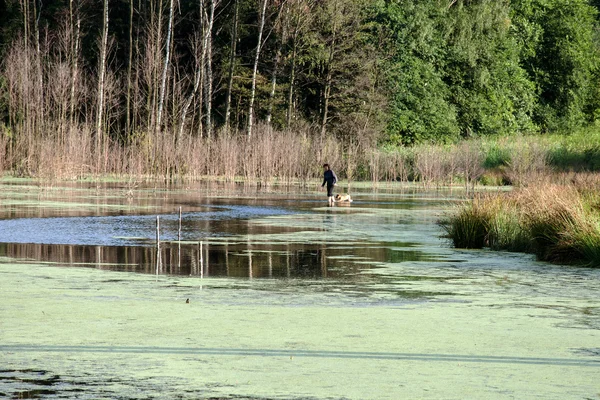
(287, 300)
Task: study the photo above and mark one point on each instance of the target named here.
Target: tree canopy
(396, 71)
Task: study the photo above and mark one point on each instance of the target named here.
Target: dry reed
(557, 223)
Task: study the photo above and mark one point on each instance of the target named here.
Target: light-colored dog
(343, 197)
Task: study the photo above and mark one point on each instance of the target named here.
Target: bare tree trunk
(25, 12)
(72, 56)
(137, 96)
(209, 74)
(156, 45)
(231, 64)
(329, 75)
(326, 94)
(101, 77)
(274, 81)
(40, 108)
(129, 69)
(197, 81)
(165, 68)
(37, 14)
(255, 69)
(75, 33)
(284, 33)
(290, 109)
(199, 76)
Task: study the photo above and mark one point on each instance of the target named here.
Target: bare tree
(165, 67)
(329, 67)
(281, 22)
(101, 75)
(200, 46)
(129, 71)
(209, 74)
(75, 40)
(234, 34)
(262, 17)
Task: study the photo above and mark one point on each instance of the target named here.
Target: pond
(267, 293)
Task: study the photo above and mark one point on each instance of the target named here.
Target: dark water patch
(29, 383)
(591, 352)
(34, 394)
(238, 260)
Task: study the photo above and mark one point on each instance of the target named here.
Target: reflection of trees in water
(242, 260)
(95, 199)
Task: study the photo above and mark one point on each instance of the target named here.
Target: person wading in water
(330, 179)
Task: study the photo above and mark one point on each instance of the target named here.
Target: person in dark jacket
(329, 179)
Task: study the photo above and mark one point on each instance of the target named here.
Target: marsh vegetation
(559, 223)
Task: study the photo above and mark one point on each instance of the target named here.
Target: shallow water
(287, 299)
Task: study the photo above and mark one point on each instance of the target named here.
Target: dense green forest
(155, 73)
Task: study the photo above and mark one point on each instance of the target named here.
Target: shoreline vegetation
(557, 223)
(291, 157)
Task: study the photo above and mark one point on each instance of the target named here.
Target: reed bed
(296, 155)
(558, 223)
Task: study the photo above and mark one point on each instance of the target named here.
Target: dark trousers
(329, 190)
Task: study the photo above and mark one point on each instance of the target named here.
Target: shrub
(496, 156)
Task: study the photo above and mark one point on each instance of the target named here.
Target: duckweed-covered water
(269, 294)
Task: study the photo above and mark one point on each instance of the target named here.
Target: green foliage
(489, 67)
(420, 109)
(507, 232)
(490, 89)
(496, 156)
(561, 58)
(579, 151)
(468, 228)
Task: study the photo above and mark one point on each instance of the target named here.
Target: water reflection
(245, 231)
(229, 259)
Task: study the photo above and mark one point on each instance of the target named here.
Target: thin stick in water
(179, 232)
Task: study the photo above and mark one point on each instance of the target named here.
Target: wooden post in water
(157, 231)
(201, 261)
(179, 232)
(158, 261)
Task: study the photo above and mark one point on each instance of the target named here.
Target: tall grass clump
(468, 227)
(557, 223)
(506, 229)
(564, 223)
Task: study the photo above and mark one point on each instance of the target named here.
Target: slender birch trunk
(72, 60)
(209, 74)
(39, 88)
(290, 109)
(129, 71)
(326, 95)
(25, 11)
(274, 77)
(199, 75)
(165, 68)
(231, 64)
(101, 77)
(329, 75)
(76, 40)
(156, 27)
(255, 69)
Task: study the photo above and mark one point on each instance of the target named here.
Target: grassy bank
(558, 223)
(292, 156)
